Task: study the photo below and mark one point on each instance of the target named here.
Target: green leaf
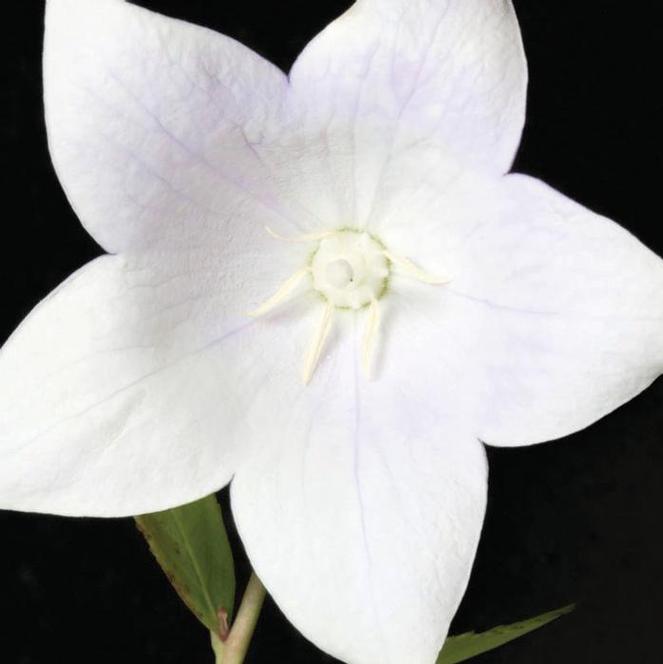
(462, 647)
(191, 545)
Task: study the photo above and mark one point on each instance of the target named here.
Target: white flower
(359, 210)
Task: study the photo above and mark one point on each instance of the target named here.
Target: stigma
(350, 269)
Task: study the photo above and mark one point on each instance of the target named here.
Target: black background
(574, 520)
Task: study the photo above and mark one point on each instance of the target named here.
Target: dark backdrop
(578, 519)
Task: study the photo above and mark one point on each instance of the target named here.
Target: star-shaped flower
(323, 286)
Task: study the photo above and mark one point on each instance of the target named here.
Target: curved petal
(573, 313)
(125, 391)
(393, 78)
(361, 512)
(154, 122)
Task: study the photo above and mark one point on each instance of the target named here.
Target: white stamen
(306, 237)
(370, 336)
(313, 355)
(281, 294)
(415, 271)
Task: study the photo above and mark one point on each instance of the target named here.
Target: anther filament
(282, 294)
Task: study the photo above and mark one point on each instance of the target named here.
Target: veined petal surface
(573, 308)
(160, 130)
(362, 513)
(130, 388)
(410, 79)
(568, 303)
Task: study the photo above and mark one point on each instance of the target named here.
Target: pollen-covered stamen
(281, 294)
(415, 271)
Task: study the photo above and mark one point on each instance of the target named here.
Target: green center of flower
(350, 269)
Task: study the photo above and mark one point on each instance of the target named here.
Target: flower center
(339, 273)
(350, 269)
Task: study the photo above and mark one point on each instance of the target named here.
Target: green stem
(217, 647)
(233, 649)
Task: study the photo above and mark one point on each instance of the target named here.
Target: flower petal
(392, 77)
(126, 390)
(573, 308)
(361, 512)
(160, 130)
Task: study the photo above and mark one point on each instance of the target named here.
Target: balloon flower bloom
(325, 289)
